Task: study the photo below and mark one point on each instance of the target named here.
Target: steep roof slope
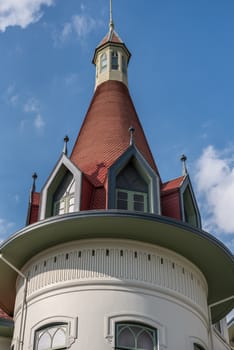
(104, 135)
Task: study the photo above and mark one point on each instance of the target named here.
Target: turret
(111, 57)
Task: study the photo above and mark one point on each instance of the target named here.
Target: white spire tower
(111, 57)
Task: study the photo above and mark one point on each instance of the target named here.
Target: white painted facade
(91, 285)
(85, 287)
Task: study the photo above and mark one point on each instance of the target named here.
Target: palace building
(112, 257)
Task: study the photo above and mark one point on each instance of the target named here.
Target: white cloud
(83, 25)
(215, 183)
(39, 122)
(11, 96)
(32, 106)
(80, 25)
(21, 12)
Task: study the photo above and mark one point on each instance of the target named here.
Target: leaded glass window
(115, 60)
(51, 338)
(133, 336)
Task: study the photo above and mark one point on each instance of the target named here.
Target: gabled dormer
(133, 185)
(61, 193)
(189, 208)
(179, 202)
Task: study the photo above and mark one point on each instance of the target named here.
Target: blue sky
(180, 77)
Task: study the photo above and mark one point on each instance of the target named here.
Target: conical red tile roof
(111, 37)
(104, 135)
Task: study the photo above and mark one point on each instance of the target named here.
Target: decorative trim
(71, 322)
(198, 341)
(46, 193)
(111, 319)
(146, 172)
(187, 184)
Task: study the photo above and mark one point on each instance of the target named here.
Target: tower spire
(111, 24)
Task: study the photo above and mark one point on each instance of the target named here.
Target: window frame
(103, 63)
(72, 329)
(124, 65)
(45, 329)
(114, 60)
(143, 328)
(131, 201)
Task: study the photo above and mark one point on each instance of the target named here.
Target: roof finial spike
(132, 131)
(34, 176)
(183, 159)
(66, 139)
(111, 24)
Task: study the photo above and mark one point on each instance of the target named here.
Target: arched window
(51, 337)
(103, 63)
(64, 197)
(114, 60)
(134, 336)
(131, 190)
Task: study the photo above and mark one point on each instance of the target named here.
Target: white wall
(95, 290)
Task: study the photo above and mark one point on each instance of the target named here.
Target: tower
(113, 257)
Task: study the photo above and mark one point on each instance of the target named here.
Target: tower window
(52, 337)
(115, 60)
(124, 65)
(133, 336)
(103, 63)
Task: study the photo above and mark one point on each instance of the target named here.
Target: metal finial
(183, 159)
(66, 139)
(132, 131)
(111, 24)
(34, 176)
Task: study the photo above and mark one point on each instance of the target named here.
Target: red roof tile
(104, 135)
(172, 184)
(111, 37)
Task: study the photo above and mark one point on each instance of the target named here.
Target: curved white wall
(93, 284)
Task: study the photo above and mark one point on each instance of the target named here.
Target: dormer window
(103, 63)
(131, 190)
(130, 200)
(115, 60)
(64, 197)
